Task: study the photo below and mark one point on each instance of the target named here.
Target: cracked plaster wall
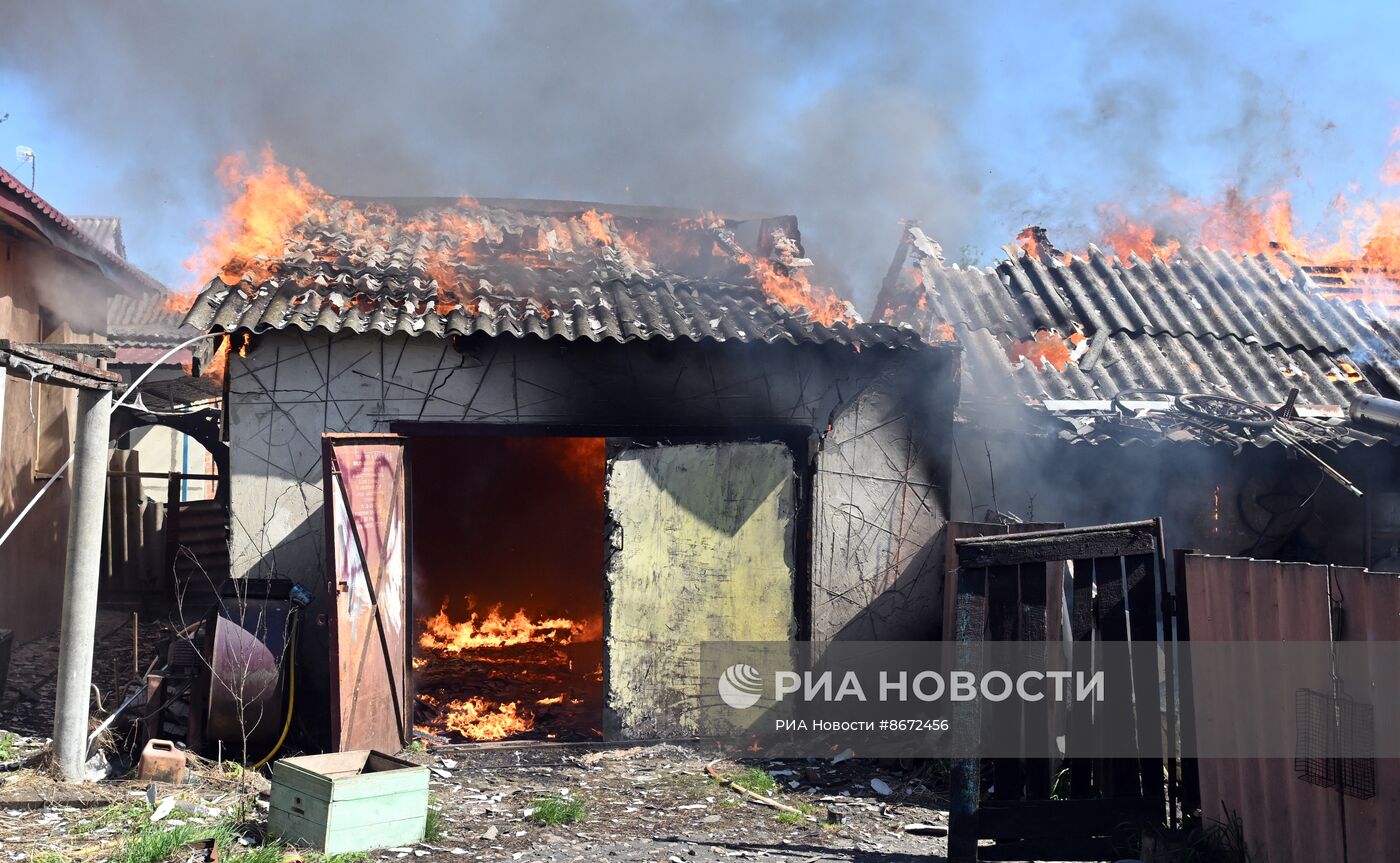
(879, 418)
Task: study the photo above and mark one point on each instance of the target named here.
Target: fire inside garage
(508, 638)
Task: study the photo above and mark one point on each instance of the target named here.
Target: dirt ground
(26, 705)
(657, 803)
(652, 803)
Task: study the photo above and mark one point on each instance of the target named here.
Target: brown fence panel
(1370, 604)
(1285, 818)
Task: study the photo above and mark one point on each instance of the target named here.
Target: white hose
(58, 474)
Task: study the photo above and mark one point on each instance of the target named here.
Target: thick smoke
(852, 116)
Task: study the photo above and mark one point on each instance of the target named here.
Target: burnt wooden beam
(56, 369)
(1111, 540)
(101, 349)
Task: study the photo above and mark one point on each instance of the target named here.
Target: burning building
(528, 455)
(1204, 386)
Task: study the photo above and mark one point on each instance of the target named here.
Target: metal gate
(1080, 586)
(367, 539)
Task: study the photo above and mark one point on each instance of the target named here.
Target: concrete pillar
(80, 583)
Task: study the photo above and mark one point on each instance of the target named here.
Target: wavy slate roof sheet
(1250, 327)
(106, 231)
(548, 269)
(146, 321)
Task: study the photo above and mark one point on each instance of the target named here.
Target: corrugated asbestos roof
(1248, 327)
(549, 269)
(146, 321)
(110, 262)
(106, 231)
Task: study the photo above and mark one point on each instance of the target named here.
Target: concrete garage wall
(881, 504)
(294, 386)
(701, 549)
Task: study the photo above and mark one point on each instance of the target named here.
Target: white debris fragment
(880, 786)
(165, 808)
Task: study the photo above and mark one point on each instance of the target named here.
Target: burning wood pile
(484, 678)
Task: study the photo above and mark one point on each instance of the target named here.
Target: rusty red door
(367, 540)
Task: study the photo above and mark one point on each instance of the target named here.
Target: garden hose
(291, 697)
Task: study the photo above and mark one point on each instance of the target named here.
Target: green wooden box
(348, 801)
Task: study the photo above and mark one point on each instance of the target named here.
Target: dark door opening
(508, 586)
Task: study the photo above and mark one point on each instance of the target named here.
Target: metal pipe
(80, 583)
(1377, 411)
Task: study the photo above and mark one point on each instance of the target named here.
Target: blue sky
(976, 121)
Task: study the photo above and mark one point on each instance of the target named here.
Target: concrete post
(80, 583)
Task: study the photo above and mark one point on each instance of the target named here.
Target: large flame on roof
(269, 201)
(1355, 235)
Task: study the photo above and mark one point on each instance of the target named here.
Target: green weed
(155, 843)
(755, 779)
(432, 830)
(552, 811)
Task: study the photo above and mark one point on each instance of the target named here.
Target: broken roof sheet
(1249, 327)
(551, 269)
(106, 231)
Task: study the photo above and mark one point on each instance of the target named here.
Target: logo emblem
(740, 686)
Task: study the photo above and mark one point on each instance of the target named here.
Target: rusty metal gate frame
(1004, 585)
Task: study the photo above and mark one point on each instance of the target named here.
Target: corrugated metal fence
(1284, 817)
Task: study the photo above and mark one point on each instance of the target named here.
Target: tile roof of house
(1067, 334)
(551, 269)
(20, 200)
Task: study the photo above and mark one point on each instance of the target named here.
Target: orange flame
(494, 630)
(254, 226)
(271, 200)
(478, 718)
(179, 302)
(1129, 237)
(596, 226)
(1363, 237)
(1047, 347)
(218, 364)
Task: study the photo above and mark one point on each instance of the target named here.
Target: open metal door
(367, 537)
(701, 548)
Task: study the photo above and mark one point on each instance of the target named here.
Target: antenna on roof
(26, 154)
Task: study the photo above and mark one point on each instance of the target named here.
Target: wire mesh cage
(1336, 743)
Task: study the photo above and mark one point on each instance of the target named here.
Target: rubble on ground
(641, 803)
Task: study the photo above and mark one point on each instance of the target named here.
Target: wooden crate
(348, 801)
